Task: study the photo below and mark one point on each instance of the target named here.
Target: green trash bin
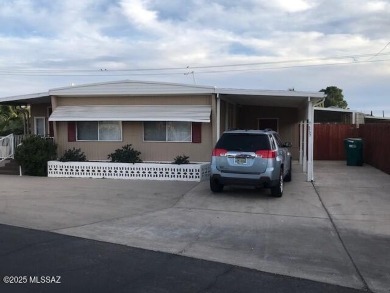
(354, 151)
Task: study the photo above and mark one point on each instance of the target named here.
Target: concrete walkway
(358, 202)
(336, 232)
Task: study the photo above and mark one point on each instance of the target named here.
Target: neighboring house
(163, 120)
(345, 116)
(337, 115)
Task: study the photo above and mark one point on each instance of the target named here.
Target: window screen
(99, 131)
(168, 131)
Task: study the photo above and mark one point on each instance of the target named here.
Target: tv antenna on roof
(193, 74)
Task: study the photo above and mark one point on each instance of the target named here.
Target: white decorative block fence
(148, 171)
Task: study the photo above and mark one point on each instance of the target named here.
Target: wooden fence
(329, 142)
(376, 139)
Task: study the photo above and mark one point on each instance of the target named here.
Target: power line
(202, 69)
(295, 66)
(353, 57)
(379, 51)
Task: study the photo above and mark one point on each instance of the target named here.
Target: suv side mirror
(287, 145)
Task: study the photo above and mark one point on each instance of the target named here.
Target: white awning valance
(189, 113)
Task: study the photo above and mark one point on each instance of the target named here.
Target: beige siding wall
(227, 116)
(302, 113)
(39, 110)
(132, 133)
(223, 116)
(288, 122)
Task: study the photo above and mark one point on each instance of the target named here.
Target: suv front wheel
(277, 190)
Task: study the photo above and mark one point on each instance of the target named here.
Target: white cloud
(375, 6)
(138, 13)
(123, 34)
(293, 5)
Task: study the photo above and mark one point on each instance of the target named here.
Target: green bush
(73, 155)
(125, 155)
(183, 159)
(34, 153)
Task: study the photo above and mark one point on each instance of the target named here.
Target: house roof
(129, 87)
(36, 98)
(268, 98)
(147, 88)
(369, 117)
(334, 109)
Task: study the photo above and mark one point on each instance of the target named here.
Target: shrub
(73, 155)
(179, 160)
(34, 153)
(125, 155)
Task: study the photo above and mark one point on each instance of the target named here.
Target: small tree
(11, 120)
(73, 155)
(334, 97)
(34, 153)
(125, 155)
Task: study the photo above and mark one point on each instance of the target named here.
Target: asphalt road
(48, 262)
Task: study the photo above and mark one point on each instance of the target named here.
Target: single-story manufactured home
(164, 120)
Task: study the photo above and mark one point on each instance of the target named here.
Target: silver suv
(251, 157)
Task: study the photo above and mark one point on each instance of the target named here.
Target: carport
(291, 113)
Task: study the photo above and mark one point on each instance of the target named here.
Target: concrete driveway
(337, 231)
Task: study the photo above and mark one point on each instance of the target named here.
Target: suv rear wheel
(215, 186)
(277, 191)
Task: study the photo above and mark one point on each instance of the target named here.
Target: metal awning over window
(190, 113)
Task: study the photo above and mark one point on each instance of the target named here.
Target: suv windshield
(245, 142)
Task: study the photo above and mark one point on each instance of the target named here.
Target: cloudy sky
(261, 44)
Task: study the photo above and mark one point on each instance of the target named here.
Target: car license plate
(240, 161)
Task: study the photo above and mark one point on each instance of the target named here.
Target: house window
(40, 126)
(168, 131)
(99, 131)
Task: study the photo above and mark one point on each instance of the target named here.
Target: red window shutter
(196, 132)
(71, 131)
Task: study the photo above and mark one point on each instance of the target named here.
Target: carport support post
(304, 161)
(234, 115)
(310, 114)
(301, 143)
(218, 117)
